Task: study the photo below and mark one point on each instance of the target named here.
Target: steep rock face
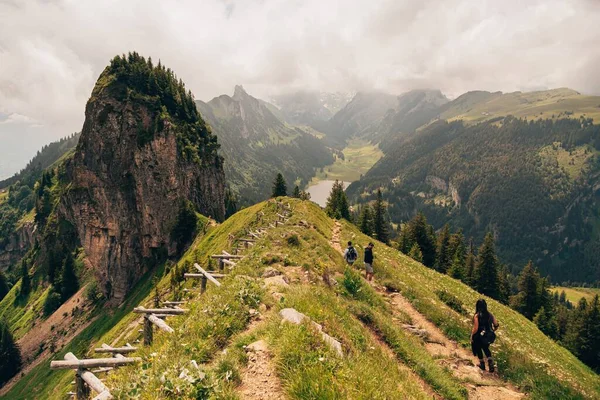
(125, 192)
(20, 241)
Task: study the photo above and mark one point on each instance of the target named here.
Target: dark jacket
(369, 255)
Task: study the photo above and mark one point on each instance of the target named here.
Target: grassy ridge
(306, 367)
(530, 105)
(526, 356)
(350, 311)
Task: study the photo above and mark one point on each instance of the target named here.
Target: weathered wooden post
(148, 331)
(203, 282)
(82, 390)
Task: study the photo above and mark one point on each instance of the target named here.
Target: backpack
(352, 255)
(488, 336)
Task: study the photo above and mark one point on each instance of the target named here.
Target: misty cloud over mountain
(51, 52)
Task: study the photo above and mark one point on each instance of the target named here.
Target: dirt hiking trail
(480, 384)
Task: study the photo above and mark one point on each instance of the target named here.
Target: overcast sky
(51, 52)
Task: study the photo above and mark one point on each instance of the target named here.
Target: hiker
(369, 261)
(482, 335)
(350, 254)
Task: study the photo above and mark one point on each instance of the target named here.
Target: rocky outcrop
(126, 186)
(19, 243)
(441, 185)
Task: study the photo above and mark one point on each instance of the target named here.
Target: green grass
(550, 104)
(359, 157)
(529, 358)
(43, 383)
(574, 294)
(21, 313)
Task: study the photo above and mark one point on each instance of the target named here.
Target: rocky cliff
(143, 152)
(19, 242)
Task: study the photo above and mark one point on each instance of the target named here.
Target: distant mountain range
(256, 144)
(525, 166)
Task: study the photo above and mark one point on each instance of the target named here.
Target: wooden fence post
(147, 331)
(82, 390)
(203, 282)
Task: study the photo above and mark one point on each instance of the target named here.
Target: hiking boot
(482, 365)
(490, 364)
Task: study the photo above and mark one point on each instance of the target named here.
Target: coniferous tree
(231, 206)
(296, 192)
(380, 228)
(415, 253)
(470, 262)
(4, 289)
(279, 186)
(486, 269)
(457, 269)
(443, 258)
(503, 284)
(337, 202)
(69, 282)
(527, 301)
(545, 322)
(10, 356)
(591, 335)
(25, 280)
(573, 339)
(418, 231)
(366, 220)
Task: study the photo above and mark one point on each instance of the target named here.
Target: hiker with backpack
(483, 334)
(350, 254)
(369, 261)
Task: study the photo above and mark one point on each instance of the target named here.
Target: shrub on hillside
(293, 240)
(52, 302)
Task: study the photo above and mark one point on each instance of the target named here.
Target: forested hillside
(534, 184)
(255, 144)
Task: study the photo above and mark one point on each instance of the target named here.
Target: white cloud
(51, 52)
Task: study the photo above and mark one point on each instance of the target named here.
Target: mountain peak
(239, 92)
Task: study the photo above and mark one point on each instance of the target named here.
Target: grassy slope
(531, 105)
(359, 157)
(306, 367)
(525, 355)
(576, 293)
(43, 383)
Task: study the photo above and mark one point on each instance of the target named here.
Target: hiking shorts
(369, 267)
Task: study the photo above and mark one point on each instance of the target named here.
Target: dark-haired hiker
(482, 335)
(369, 261)
(350, 254)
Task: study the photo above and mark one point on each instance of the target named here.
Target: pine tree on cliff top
(279, 186)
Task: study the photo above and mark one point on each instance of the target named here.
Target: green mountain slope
(547, 104)
(534, 184)
(299, 265)
(256, 145)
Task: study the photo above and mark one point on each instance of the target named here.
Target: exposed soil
(259, 380)
(56, 331)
